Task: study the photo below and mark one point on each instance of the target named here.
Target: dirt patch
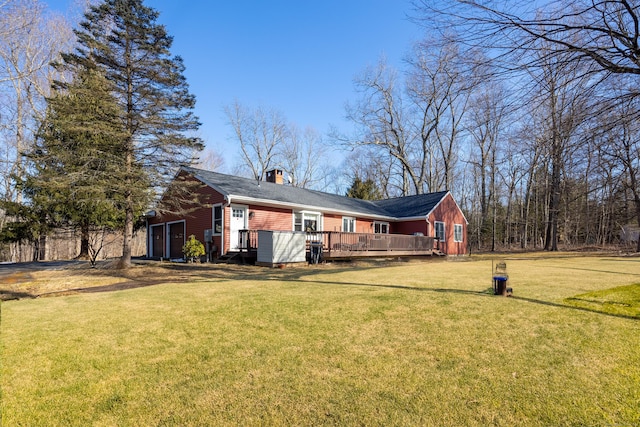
(15, 278)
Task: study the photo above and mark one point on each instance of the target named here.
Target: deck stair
(242, 257)
(229, 258)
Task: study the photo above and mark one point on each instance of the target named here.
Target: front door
(176, 240)
(238, 222)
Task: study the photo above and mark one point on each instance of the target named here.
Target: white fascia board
(412, 218)
(448, 193)
(295, 206)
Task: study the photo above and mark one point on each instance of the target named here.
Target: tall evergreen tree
(124, 39)
(365, 190)
(75, 160)
(72, 180)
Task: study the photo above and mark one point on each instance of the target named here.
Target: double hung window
(217, 219)
(457, 232)
(439, 228)
(381, 227)
(306, 221)
(348, 224)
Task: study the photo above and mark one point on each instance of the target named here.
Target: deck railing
(247, 240)
(337, 244)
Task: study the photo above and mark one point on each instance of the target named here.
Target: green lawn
(407, 343)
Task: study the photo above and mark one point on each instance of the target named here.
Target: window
(381, 227)
(439, 231)
(457, 232)
(217, 219)
(238, 213)
(348, 224)
(306, 221)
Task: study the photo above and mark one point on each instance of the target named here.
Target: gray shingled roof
(233, 186)
(411, 206)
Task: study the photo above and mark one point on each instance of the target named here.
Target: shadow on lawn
(194, 273)
(484, 293)
(590, 310)
(6, 295)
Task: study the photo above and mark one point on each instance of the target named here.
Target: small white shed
(281, 247)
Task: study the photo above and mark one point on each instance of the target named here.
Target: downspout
(429, 227)
(226, 204)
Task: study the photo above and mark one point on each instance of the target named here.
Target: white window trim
(381, 223)
(444, 230)
(213, 219)
(349, 218)
(318, 214)
(455, 226)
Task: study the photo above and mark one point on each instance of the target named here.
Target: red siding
(449, 213)
(410, 227)
(197, 220)
(266, 218)
(332, 222)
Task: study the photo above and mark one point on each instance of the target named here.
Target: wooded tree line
(526, 112)
(528, 115)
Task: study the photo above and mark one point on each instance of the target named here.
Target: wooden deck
(337, 245)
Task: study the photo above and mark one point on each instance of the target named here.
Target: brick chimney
(275, 176)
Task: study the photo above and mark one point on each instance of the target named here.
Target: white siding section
(276, 247)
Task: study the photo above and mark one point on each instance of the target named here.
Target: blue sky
(299, 57)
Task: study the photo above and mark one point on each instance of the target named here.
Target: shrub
(193, 249)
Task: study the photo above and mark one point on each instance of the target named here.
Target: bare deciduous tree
(418, 121)
(563, 56)
(621, 145)
(267, 140)
(382, 118)
(299, 156)
(30, 39)
(260, 132)
(484, 123)
(210, 160)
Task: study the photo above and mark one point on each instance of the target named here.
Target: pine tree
(75, 176)
(365, 190)
(124, 39)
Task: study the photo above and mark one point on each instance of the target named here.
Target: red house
(236, 208)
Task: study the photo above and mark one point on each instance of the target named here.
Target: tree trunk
(125, 261)
(551, 238)
(84, 243)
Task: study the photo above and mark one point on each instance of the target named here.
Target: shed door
(157, 241)
(176, 239)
